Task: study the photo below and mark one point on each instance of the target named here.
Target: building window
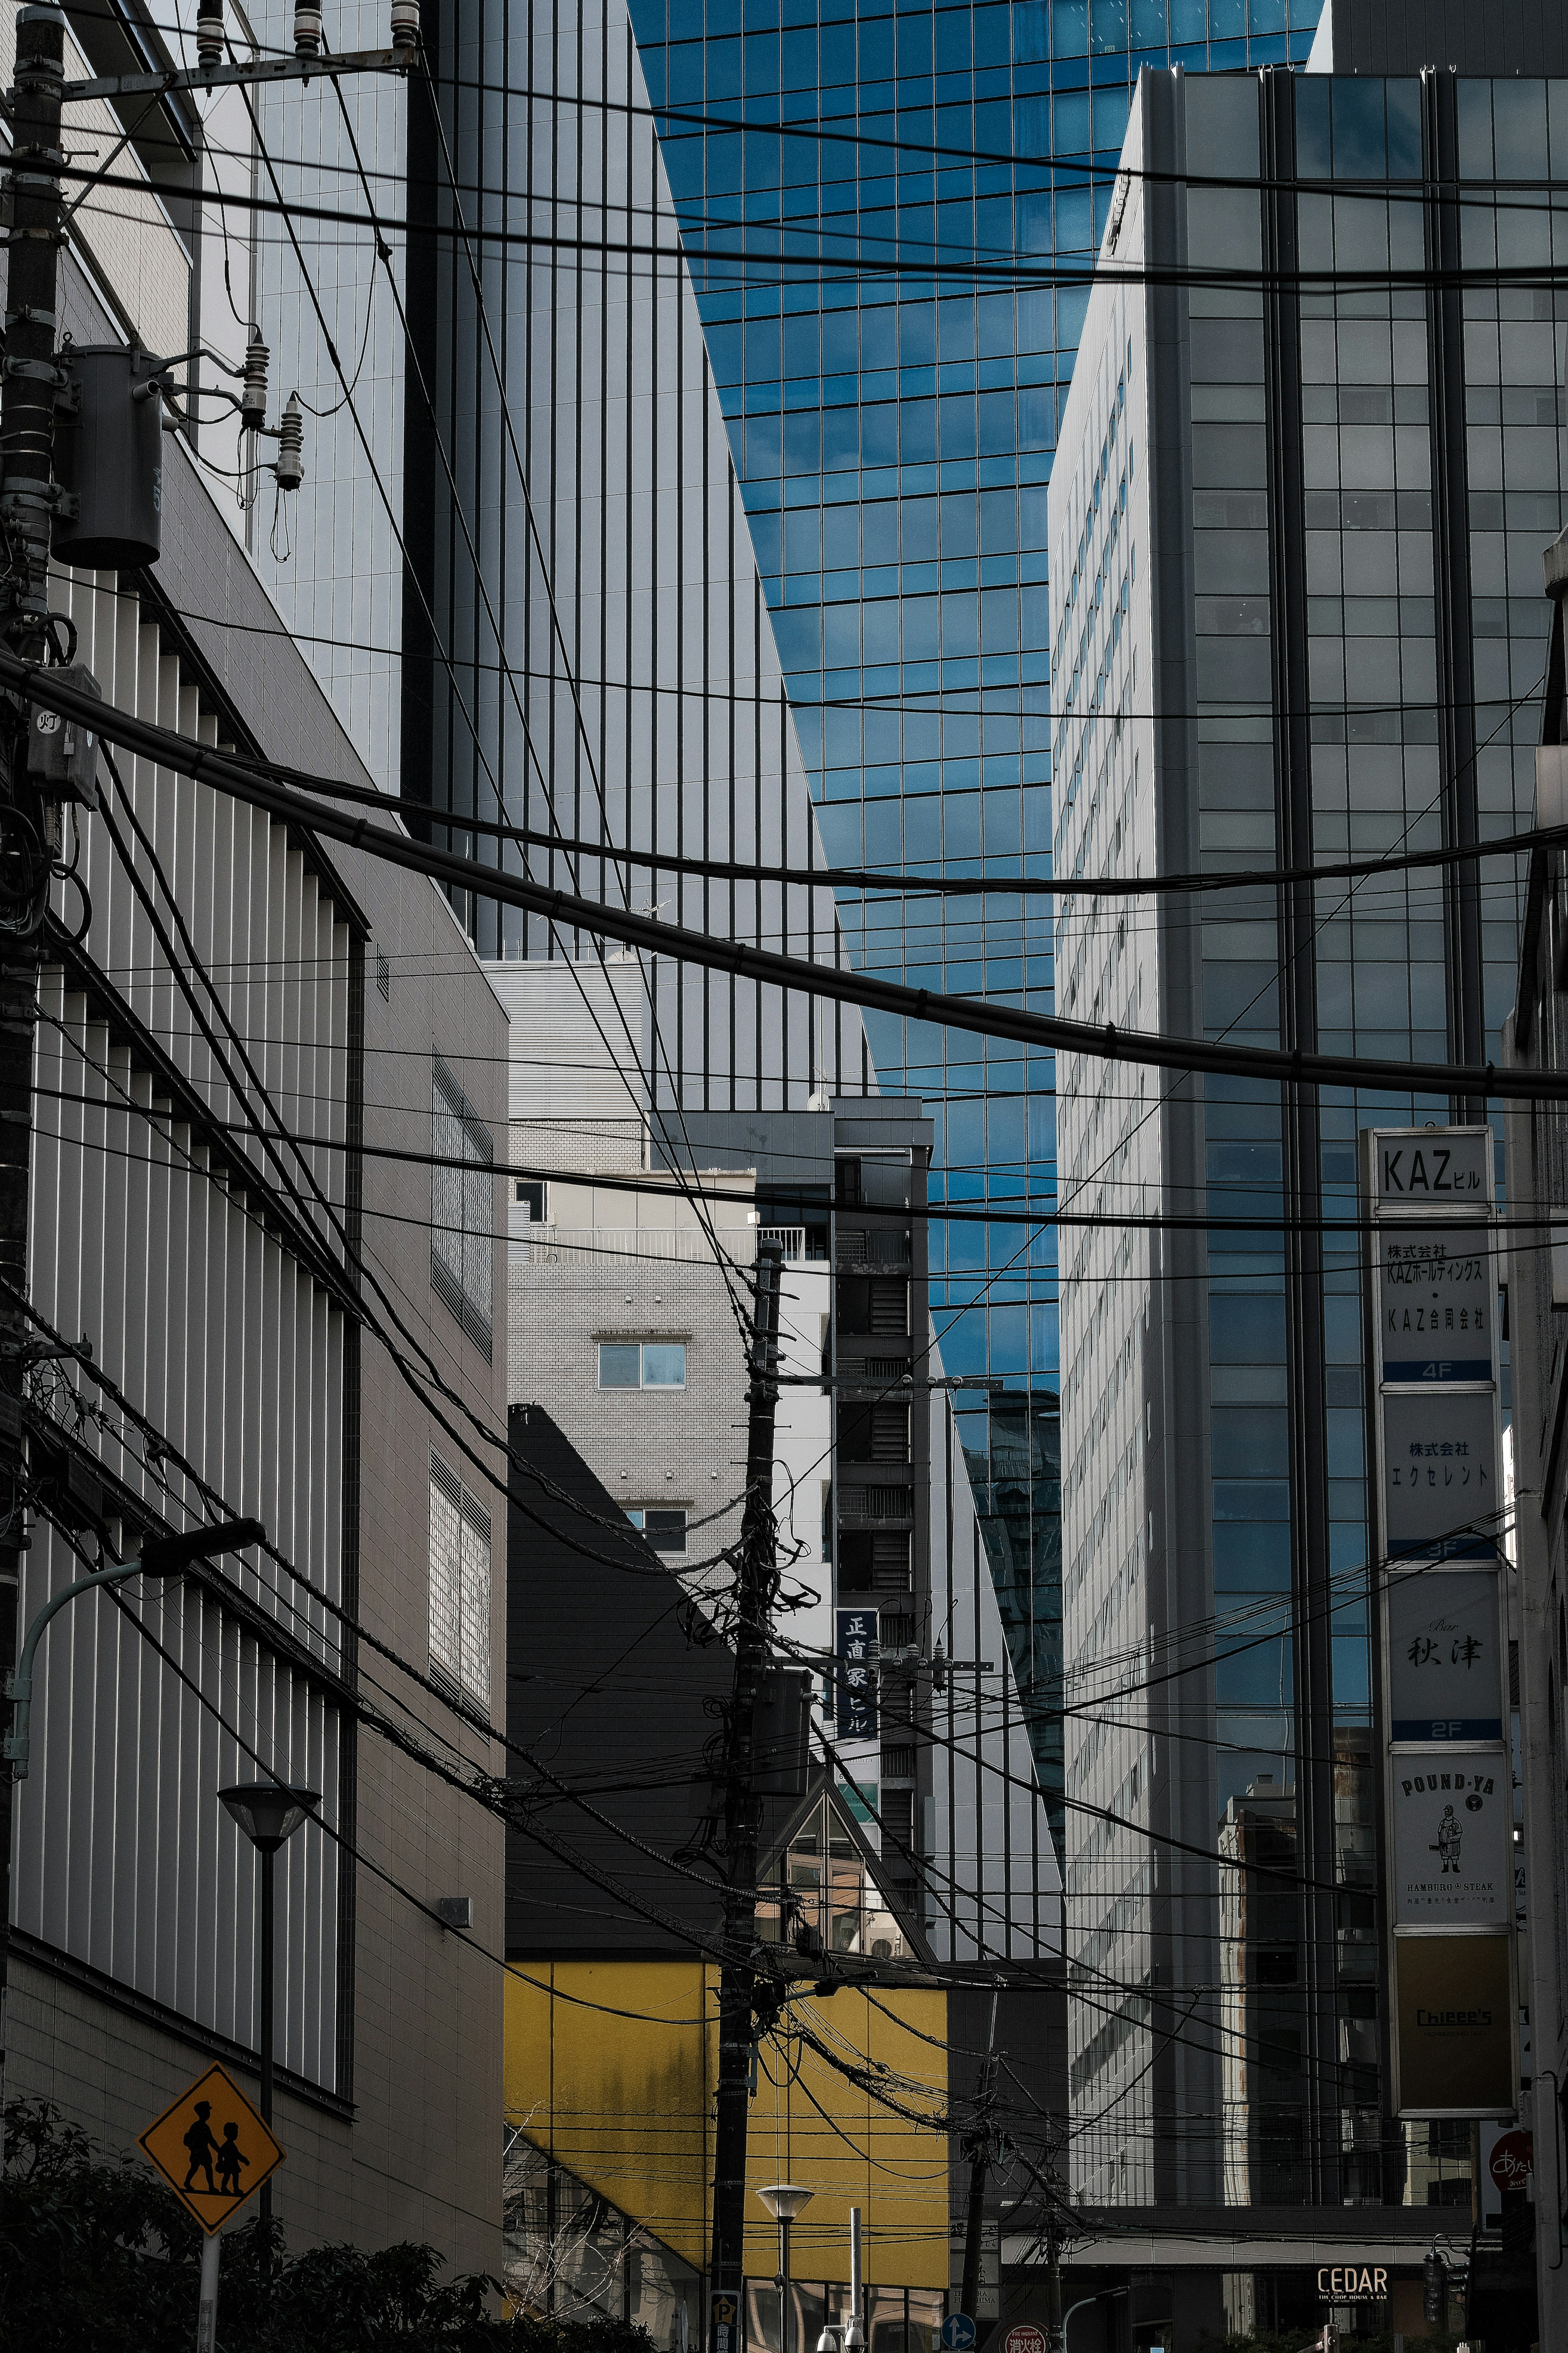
(822, 1882)
(642, 1364)
(462, 1209)
(527, 1193)
(664, 1527)
(459, 1584)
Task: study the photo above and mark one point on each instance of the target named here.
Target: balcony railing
(878, 1253)
(544, 1243)
(858, 1504)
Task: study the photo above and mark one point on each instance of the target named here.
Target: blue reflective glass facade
(872, 203)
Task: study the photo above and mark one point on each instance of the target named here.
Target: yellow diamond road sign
(212, 2149)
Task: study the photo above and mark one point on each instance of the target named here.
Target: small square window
(527, 1193)
(664, 1527)
(642, 1364)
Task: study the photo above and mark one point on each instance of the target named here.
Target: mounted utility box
(109, 454)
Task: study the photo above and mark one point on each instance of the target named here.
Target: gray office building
(1296, 519)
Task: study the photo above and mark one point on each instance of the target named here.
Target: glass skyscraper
(872, 204)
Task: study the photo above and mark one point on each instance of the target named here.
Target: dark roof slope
(611, 1691)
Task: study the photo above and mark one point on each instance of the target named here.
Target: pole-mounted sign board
(1436, 1490)
(1453, 2015)
(855, 1641)
(724, 2324)
(212, 2149)
(1445, 1656)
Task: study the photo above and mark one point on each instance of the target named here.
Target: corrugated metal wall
(209, 1301)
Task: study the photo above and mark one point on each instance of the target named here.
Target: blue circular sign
(958, 2333)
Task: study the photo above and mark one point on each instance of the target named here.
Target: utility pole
(978, 2149)
(1054, 2332)
(755, 1588)
(27, 389)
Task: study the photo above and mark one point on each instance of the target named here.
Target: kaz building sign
(1436, 1580)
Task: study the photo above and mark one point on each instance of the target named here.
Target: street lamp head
(785, 2201)
(269, 1812)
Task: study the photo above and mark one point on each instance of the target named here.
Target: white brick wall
(648, 1446)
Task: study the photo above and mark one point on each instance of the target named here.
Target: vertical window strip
(461, 1209)
(459, 1583)
(446, 1570)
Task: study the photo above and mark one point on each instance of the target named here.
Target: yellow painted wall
(625, 2104)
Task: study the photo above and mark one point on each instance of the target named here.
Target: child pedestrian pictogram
(212, 2149)
(201, 2144)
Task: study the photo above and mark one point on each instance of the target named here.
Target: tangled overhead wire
(26, 869)
(30, 849)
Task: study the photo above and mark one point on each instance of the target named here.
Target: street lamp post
(1083, 2306)
(785, 2201)
(159, 1557)
(269, 1812)
(854, 2334)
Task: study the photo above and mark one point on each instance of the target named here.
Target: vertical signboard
(1447, 1782)
(855, 1644)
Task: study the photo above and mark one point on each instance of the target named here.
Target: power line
(480, 1786)
(708, 214)
(931, 702)
(354, 1306)
(355, 1853)
(1020, 273)
(922, 886)
(771, 1194)
(872, 2077)
(988, 1018)
(841, 129)
(410, 1747)
(397, 533)
(384, 252)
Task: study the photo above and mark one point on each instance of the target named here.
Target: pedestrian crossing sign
(212, 2149)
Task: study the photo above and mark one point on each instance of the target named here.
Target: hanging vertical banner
(855, 1645)
(1438, 1303)
(1445, 1654)
(1437, 1501)
(1453, 2006)
(1440, 1486)
(1450, 1828)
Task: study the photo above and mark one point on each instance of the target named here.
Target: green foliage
(96, 2252)
(527, 2334)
